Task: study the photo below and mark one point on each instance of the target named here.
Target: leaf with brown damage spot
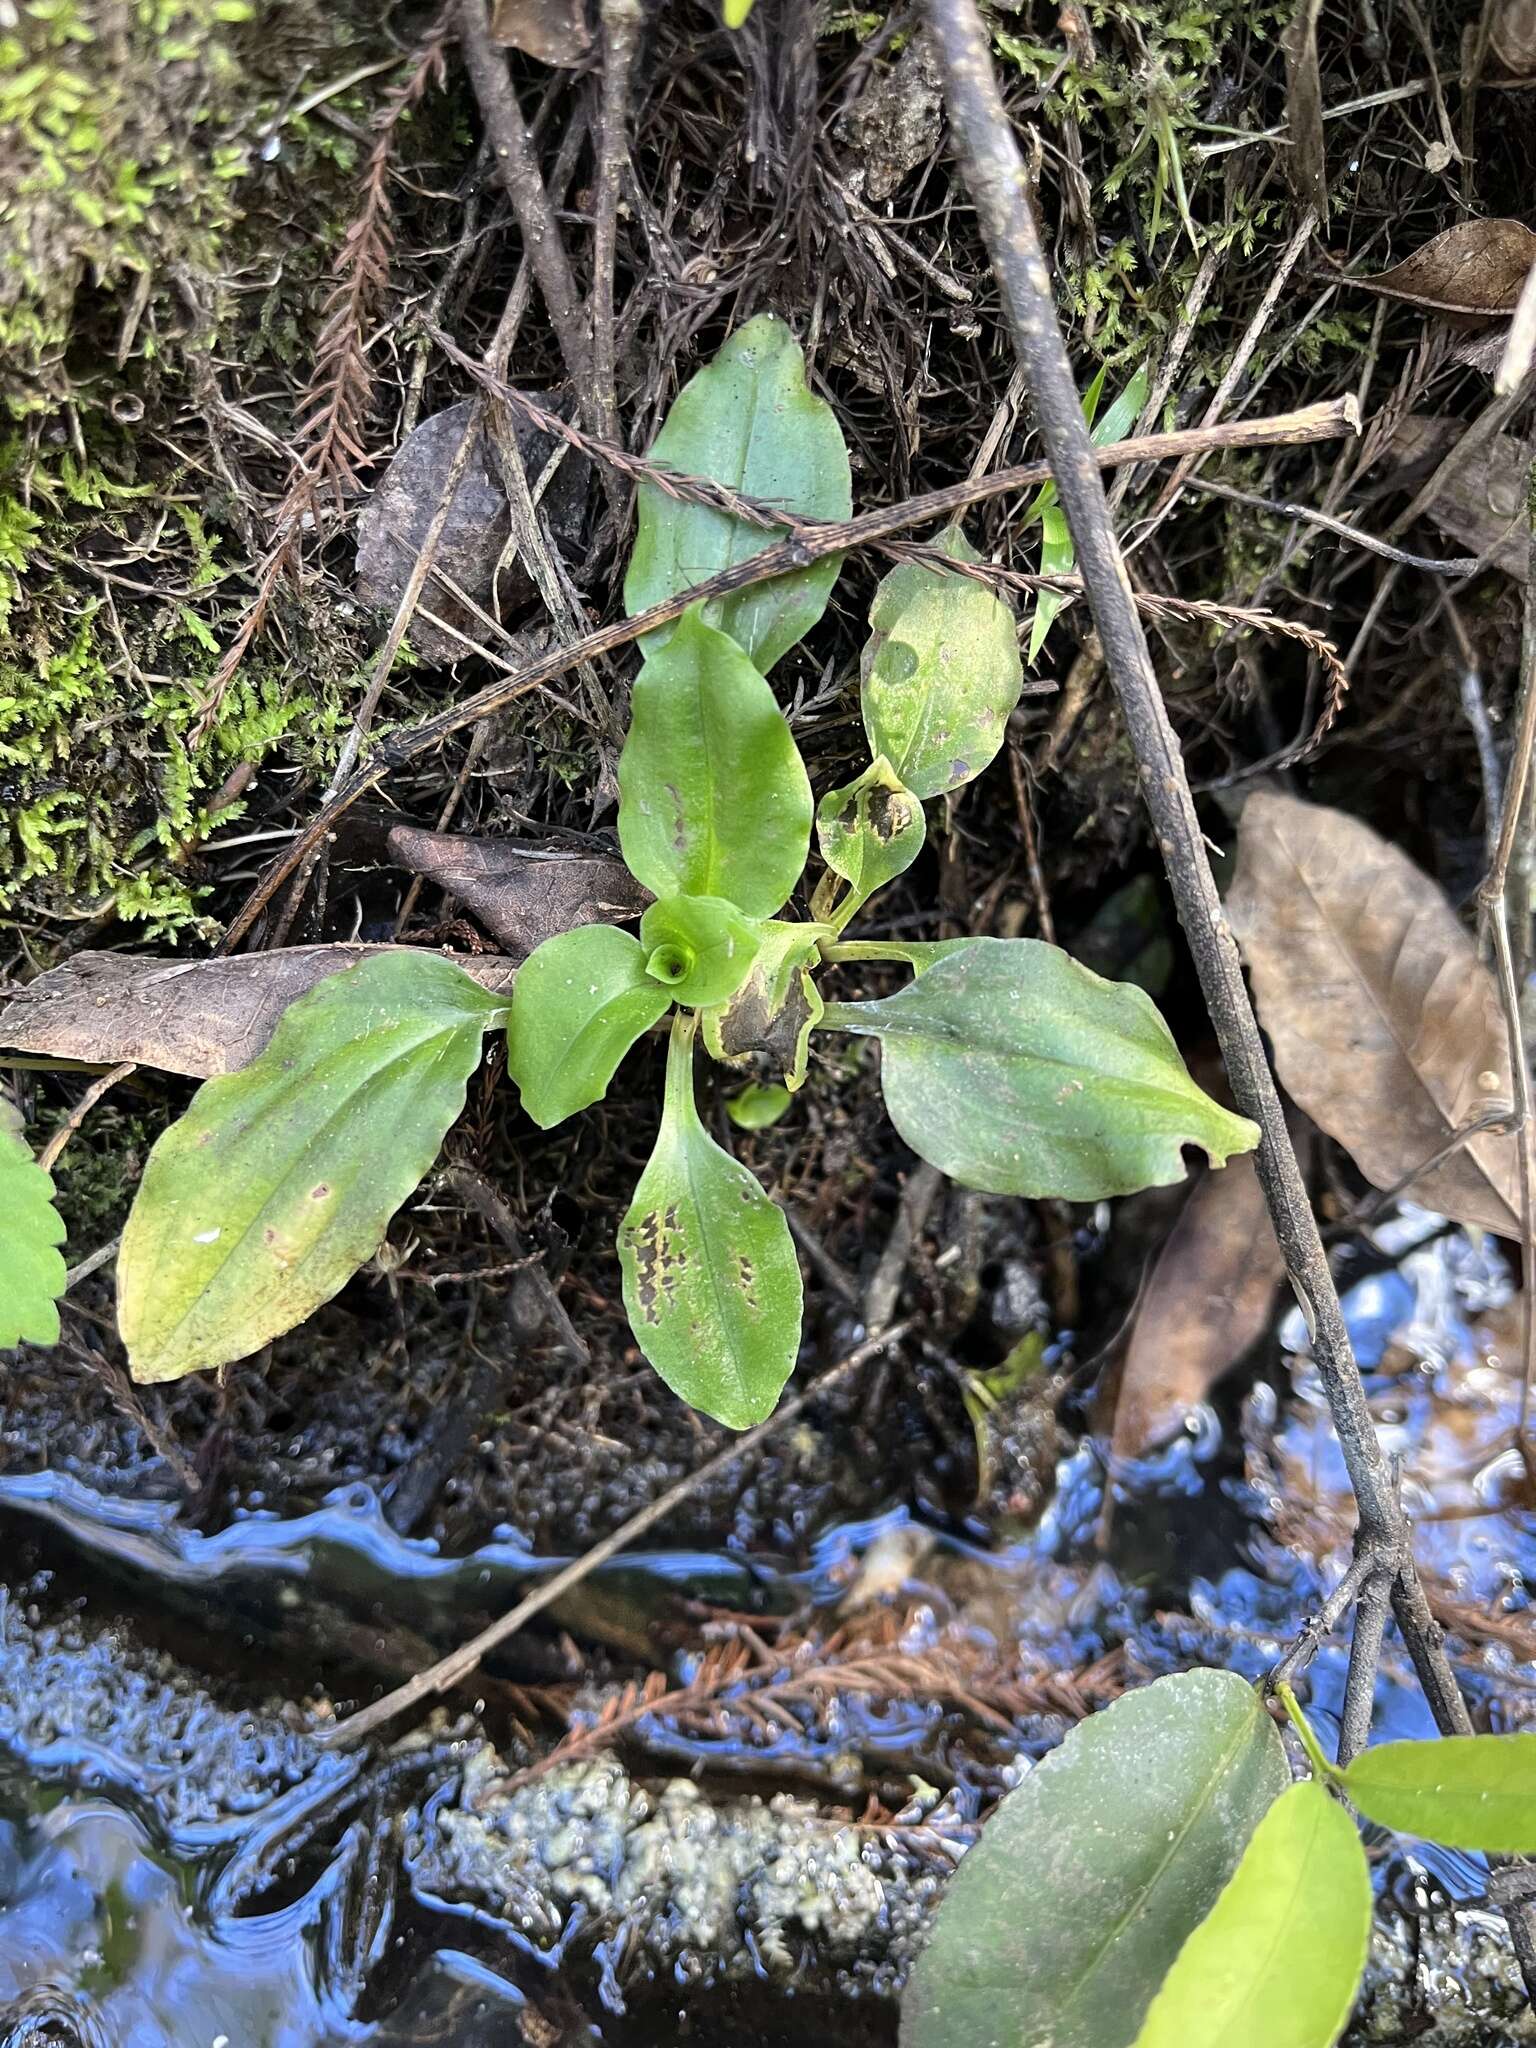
(1385, 1024)
(711, 1281)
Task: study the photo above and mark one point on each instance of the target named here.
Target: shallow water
(134, 1910)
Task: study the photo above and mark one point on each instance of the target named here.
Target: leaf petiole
(1329, 1773)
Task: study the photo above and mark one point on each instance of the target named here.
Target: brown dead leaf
(1306, 159)
(472, 551)
(1385, 1023)
(1513, 36)
(196, 1017)
(1483, 502)
(1209, 1297)
(521, 895)
(1474, 271)
(554, 31)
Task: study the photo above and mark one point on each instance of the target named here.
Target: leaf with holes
(1465, 1791)
(941, 672)
(580, 1002)
(32, 1274)
(1061, 1923)
(1014, 1069)
(714, 799)
(1277, 1961)
(746, 421)
(280, 1180)
(711, 1281)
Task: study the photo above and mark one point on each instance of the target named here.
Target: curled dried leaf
(1385, 1024)
(197, 1017)
(1512, 35)
(1482, 501)
(522, 895)
(1475, 270)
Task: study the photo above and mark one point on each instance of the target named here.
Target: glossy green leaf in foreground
(700, 948)
(32, 1273)
(1277, 1962)
(1014, 1069)
(1061, 1923)
(1465, 1791)
(941, 672)
(711, 1281)
(871, 830)
(714, 799)
(280, 1180)
(746, 421)
(579, 1003)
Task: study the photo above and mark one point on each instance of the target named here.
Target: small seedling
(1004, 1062)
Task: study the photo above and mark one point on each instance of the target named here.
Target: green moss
(105, 780)
(138, 203)
(1140, 106)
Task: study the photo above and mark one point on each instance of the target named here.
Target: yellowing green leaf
(746, 421)
(699, 948)
(579, 1003)
(714, 799)
(280, 1180)
(941, 672)
(711, 1281)
(1277, 1961)
(1061, 1923)
(1465, 1791)
(1014, 1069)
(32, 1273)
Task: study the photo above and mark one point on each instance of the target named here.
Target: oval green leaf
(1466, 1791)
(746, 421)
(1061, 1923)
(32, 1274)
(280, 1180)
(711, 1281)
(941, 672)
(1015, 1069)
(714, 799)
(700, 948)
(758, 1106)
(870, 831)
(579, 1003)
(1277, 1962)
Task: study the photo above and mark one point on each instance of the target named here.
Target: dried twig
(995, 175)
(518, 169)
(809, 541)
(329, 445)
(451, 1670)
